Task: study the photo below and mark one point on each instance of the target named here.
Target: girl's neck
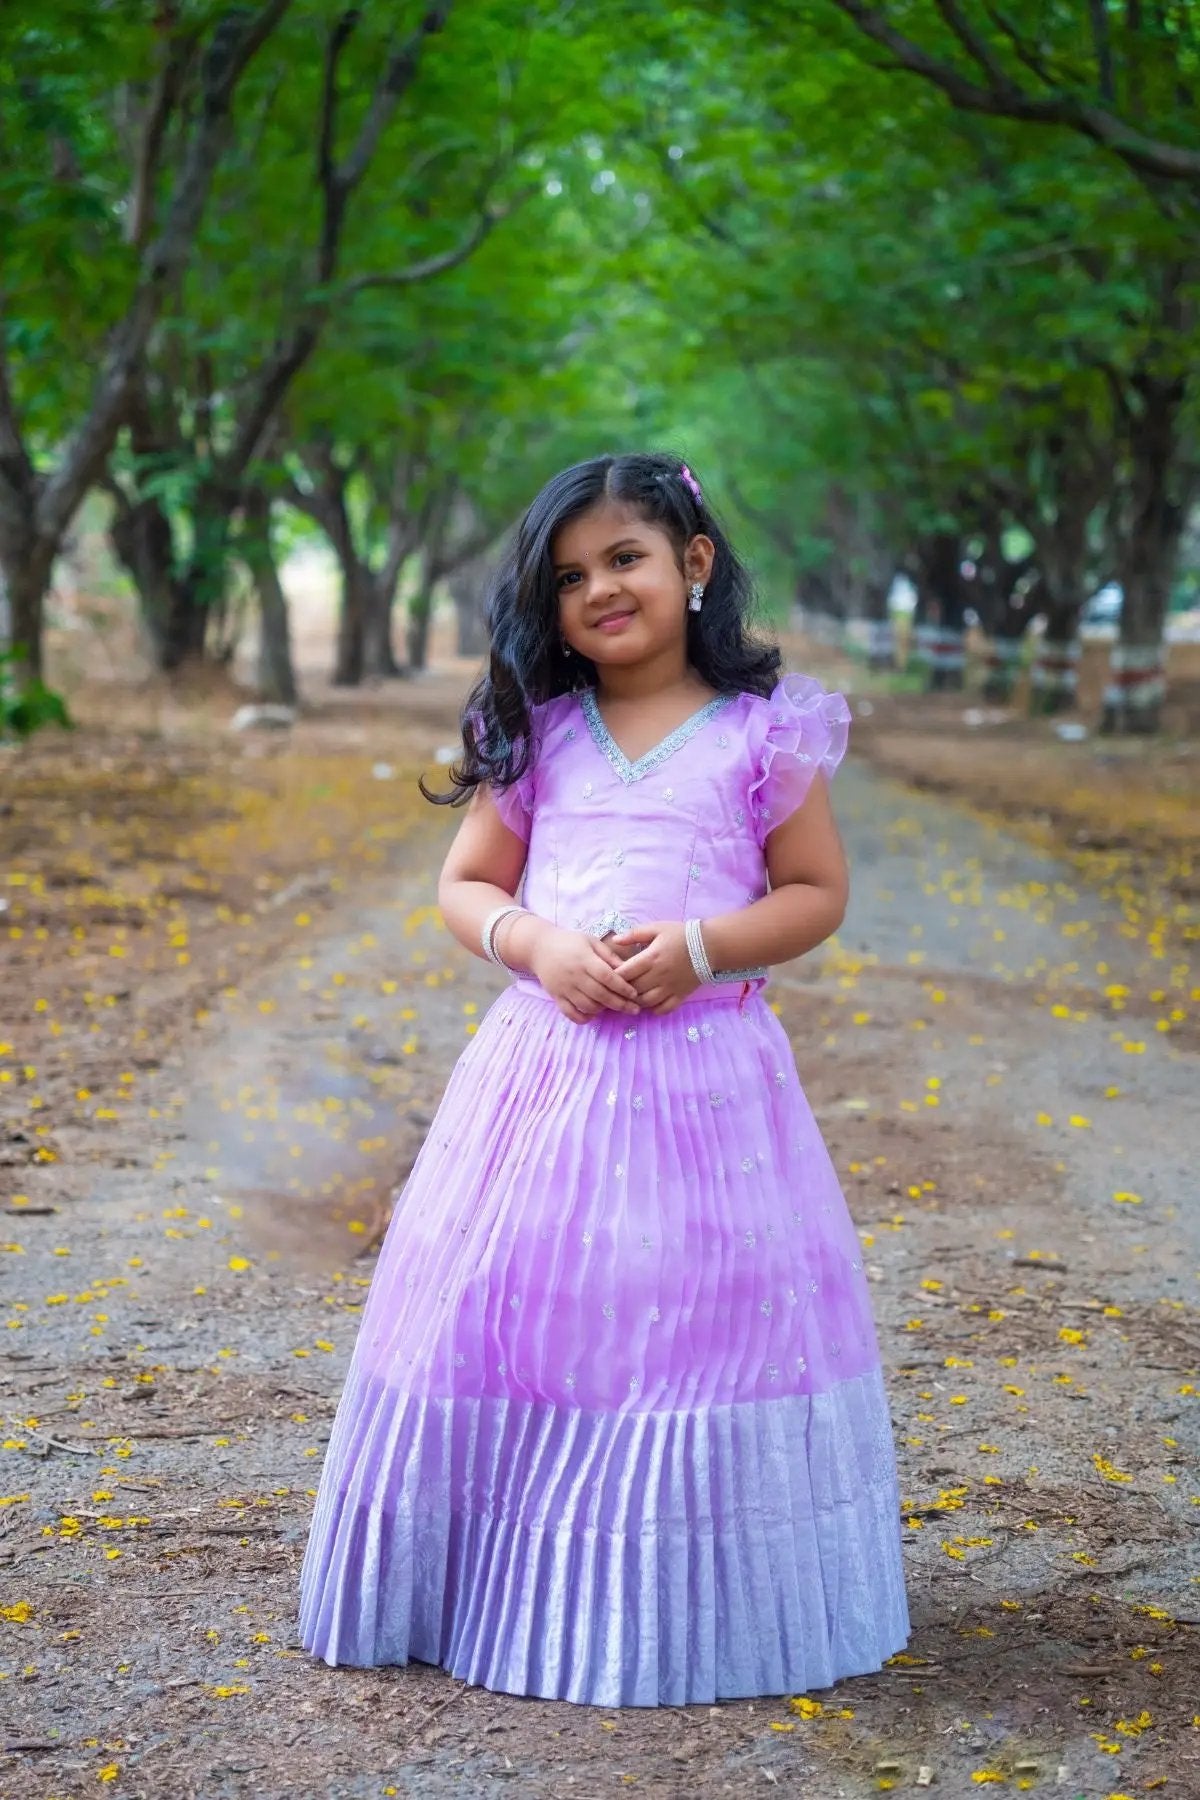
(658, 678)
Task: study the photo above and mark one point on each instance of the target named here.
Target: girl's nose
(602, 584)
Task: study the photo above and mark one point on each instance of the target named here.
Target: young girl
(615, 1429)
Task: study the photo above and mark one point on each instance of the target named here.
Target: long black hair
(528, 664)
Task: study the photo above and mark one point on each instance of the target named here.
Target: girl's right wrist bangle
(488, 934)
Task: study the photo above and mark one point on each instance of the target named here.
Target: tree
(210, 399)
(64, 204)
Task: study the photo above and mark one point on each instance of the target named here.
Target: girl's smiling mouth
(613, 621)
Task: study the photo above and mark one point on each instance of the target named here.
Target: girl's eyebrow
(619, 545)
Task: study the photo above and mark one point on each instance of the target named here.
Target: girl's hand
(657, 964)
(583, 974)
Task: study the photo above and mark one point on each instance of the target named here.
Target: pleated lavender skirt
(614, 1430)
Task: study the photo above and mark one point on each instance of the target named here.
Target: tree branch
(397, 78)
(333, 195)
(1103, 48)
(17, 478)
(164, 96)
(1023, 52)
(485, 223)
(976, 47)
(233, 45)
(1148, 155)
(338, 182)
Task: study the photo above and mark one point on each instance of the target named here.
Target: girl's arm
(481, 872)
(810, 887)
(807, 902)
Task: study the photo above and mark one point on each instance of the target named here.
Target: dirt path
(1020, 1157)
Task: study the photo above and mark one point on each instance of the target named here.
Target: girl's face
(622, 596)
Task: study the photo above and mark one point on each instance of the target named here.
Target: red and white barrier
(1055, 672)
(942, 649)
(1137, 678)
(1002, 660)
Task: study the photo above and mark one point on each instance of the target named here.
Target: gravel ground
(1023, 1175)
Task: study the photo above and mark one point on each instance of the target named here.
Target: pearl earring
(695, 596)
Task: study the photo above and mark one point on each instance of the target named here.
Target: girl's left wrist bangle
(701, 967)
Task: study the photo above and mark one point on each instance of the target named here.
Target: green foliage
(27, 707)
(864, 315)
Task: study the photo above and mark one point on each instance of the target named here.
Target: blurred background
(301, 303)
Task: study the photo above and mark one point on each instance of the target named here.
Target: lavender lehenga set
(615, 1429)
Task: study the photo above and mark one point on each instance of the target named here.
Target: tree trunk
(27, 577)
(141, 538)
(201, 587)
(1001, 598)
(420, 617)
(940, 634)
(351, 657)
(467, 590)
(1054, 677)
(380, 658)
(1161, 486)
(276, 674)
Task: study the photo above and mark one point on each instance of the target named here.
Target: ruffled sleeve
(806, 733)
(515, 804)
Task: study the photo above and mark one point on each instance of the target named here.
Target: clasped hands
(644, 969)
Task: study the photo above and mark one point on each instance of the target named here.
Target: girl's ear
(699, 557)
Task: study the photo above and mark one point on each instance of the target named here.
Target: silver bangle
(488, 935)
(694, 939)
(703, 968)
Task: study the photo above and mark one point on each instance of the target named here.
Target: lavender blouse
(678, 834)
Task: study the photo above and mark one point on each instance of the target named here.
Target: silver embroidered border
(612, 752)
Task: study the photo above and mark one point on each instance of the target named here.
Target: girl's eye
(631, 555)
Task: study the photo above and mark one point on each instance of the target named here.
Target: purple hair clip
(690, 482)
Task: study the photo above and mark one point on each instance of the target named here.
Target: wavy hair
(527, 664)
